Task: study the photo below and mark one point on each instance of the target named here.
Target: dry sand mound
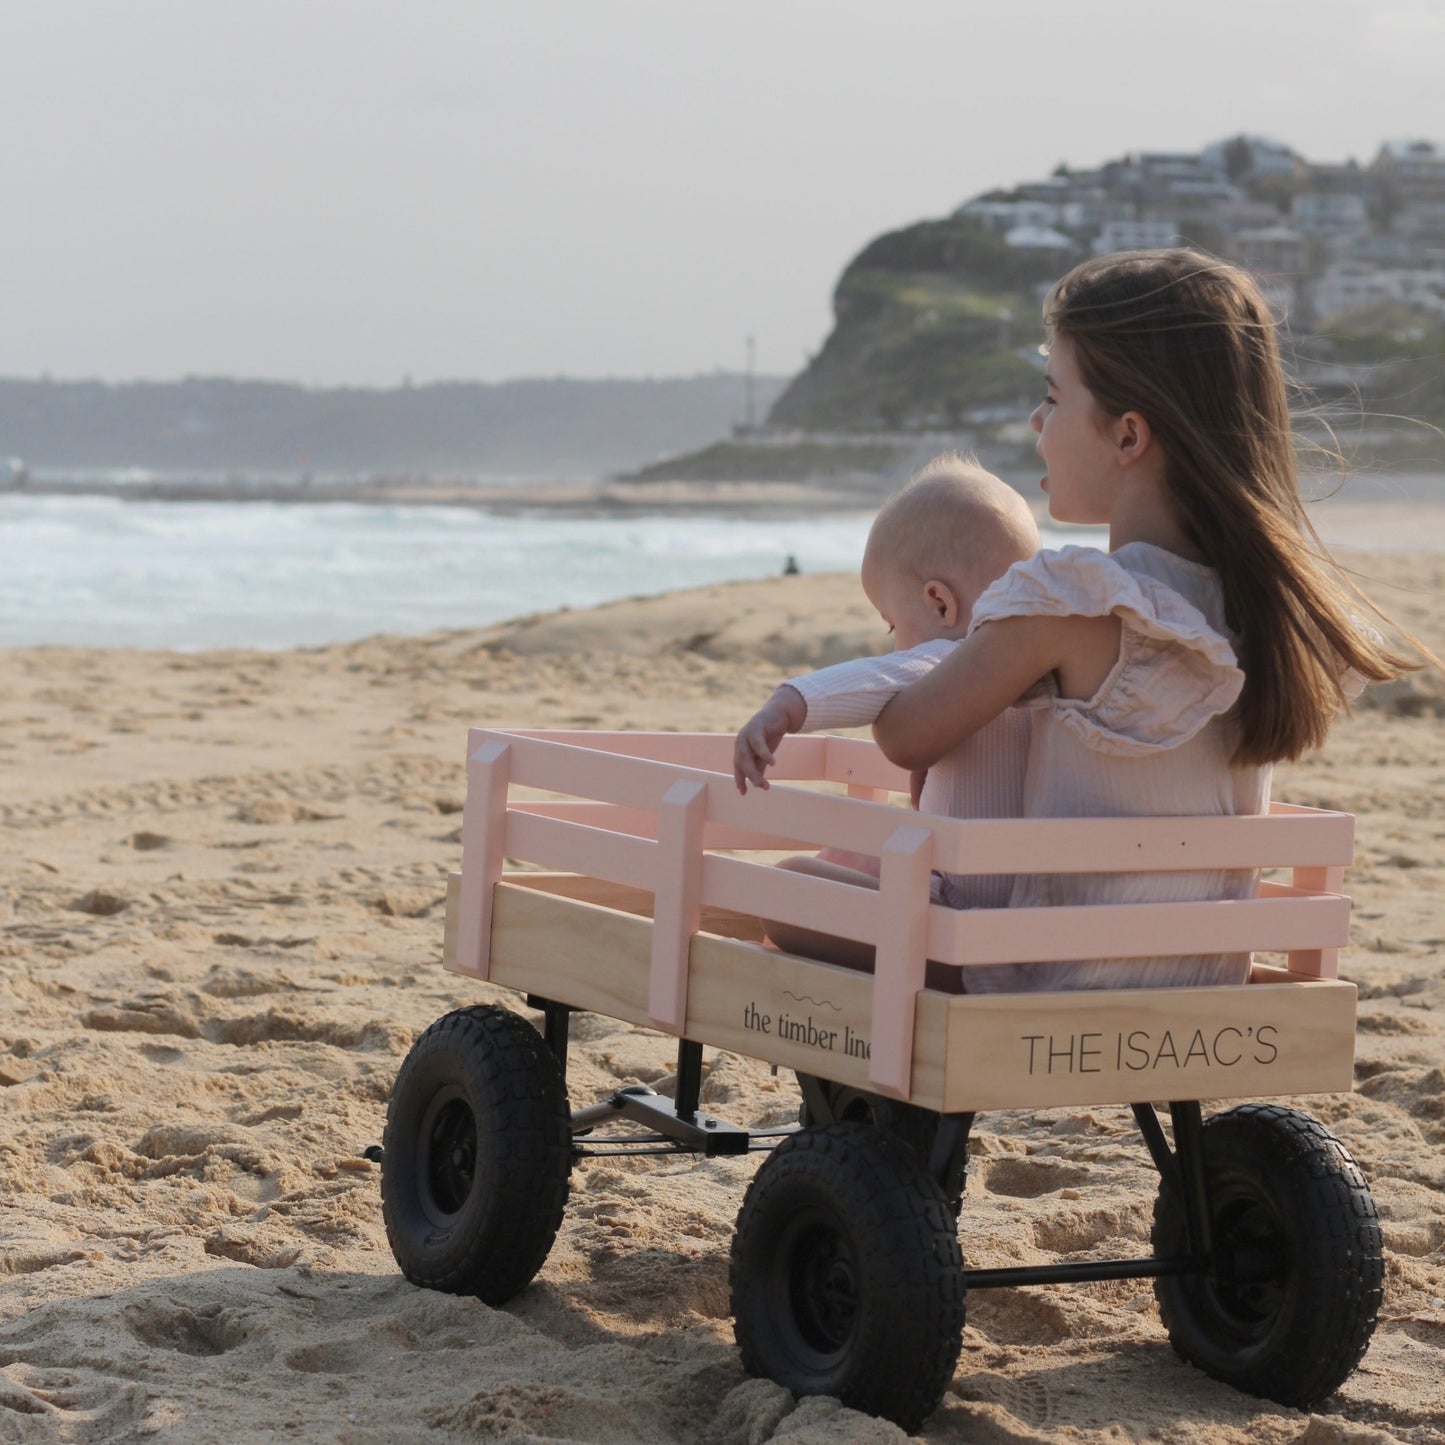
(222, 901)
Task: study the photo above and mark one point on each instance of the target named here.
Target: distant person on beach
(1213, 639)
(932, 550)
(790, 567)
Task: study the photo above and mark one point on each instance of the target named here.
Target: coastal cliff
(933, 324)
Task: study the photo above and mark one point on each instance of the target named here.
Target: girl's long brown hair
(1188, 342)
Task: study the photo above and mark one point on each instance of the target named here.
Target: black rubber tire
(1299, 1261)
(846, 1274)
(477, 1156)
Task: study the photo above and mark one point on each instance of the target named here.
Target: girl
(1167, 675)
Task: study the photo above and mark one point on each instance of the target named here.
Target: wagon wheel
(1293, 1297)
(846, 1274)
(908, 1123)
(477, 1156)
(912, 1126)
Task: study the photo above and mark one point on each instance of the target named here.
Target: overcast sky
(345, 191)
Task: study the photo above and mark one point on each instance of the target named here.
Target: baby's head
(939, 543)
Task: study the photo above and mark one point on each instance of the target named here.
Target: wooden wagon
(847, 1276)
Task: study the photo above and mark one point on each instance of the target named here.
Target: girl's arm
(987, 672)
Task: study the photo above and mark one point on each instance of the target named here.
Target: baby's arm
(848, 694)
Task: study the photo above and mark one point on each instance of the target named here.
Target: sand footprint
(1072, 1231)
(154, 1015)
(1029, 1400)
(77, 1403)
(170, 1324)
(330, 1357)
(1028, 1178)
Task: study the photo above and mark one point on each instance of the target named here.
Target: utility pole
(748, 385)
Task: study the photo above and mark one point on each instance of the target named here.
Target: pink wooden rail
(648, 809)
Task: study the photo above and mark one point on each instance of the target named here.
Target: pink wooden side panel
(868, 794)
(590, 773)
(570, 848)
(858, 761)
(798, 757)
(678, 902)
(641, 822)
(1136, 930)
(768, 892)
(812, 820)
(902, 956)
(484, 828)
(961, 846)
(1138, 845)
(712, 752)
(789, 815)
(1322, 962)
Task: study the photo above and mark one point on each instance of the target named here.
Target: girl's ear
(1133, 437)
(942, 601)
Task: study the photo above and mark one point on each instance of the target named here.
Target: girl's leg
(825, 946)
(846, 951)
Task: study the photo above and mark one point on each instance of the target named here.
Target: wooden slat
(710, 751)
(1140, 845)
(902, 958)
(1129, 1046)
(1324, 962)
(795, 898)
(453, 917)
(856, 761)
(804, 1015)
(797, 757)
(677, 901)
(726, 922)
(641, 822)
(1136, 930)
(574, 849)
(483, 833)
(574, 953)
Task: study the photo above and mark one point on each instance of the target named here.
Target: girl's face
(1083, 478)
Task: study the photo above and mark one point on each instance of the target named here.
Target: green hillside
(936, 326)
(931, 321)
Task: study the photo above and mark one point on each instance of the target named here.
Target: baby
(931, 552)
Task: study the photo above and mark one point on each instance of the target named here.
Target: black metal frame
(677, 1125)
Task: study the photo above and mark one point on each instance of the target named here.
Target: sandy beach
(223, 902)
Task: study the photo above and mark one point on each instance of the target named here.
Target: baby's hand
(757, 740)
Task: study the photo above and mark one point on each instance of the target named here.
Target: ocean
(111, 572)
(100, 571)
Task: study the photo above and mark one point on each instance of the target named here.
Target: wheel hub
(449, 1157)
(1251, 1270)
(824, 1289)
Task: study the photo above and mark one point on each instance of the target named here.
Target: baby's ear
(943, 602)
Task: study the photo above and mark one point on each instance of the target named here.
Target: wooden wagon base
(1284, 1033)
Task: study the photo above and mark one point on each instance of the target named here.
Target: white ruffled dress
(1155, 740)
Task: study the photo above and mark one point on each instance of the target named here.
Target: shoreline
(1382, 513)
(599, 497)
(603, 495)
